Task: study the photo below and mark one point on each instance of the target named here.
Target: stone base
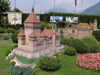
(38, 54)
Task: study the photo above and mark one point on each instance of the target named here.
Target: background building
(14, 17)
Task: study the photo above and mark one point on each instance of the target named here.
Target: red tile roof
(83, 24)
(32, 35)
(40, 39)
(32, 18)
(47, 32)
(95, 20)
(82, 28)
(21, 34)
(64, 31)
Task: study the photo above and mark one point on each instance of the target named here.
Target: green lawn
(4, 65)
(25, 60)
(68, 67)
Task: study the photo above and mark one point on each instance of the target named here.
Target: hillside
(95, 9)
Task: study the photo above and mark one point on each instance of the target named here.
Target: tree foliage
(17, 70)
(70, 51)
(90, 41)
(16, 9)
(4, 5)
(45, 25)
(96, 35)
(14, 37)
(49, 63)
(60, 24)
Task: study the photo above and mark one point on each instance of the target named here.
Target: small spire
(32, 9)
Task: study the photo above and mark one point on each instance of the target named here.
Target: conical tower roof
(32, 18)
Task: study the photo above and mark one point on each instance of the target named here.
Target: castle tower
(21, 39)
(42, 35)
(54, 38)
(95, 24)
(31, 24)
(33, 42)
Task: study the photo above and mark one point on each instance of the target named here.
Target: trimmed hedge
(90, 41)
(79, 45)
(96, 34)
(49, 63)
(70, 51)
(12, 63)
(17, 70)
(14, 37)
(11, 30)
(94, 48)
(2, 30)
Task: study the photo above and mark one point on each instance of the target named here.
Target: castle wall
(25, 48)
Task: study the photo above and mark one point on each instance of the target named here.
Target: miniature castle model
(33, 40)
(80, 30)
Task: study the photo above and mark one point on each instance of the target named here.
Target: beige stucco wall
(10, 14)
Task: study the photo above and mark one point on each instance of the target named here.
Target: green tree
(4, 6)
(17, 9)
(45, 25)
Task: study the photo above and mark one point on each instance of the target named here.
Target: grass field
(68, 67)
(4, 64)
(25, 60)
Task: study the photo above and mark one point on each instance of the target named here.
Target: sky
(69, 5)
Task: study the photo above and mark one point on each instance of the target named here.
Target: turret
(95, 24)
(21, 38)
(44, 37)
(54, 38)
(32, 24)
(33, 42)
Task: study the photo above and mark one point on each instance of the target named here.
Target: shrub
(60, 24)
(45, 25)
(68, 23)
(12, 63)
(2, 30)
(79, 45)
(11, 30)
(5, 38)
(94, 49)
(7, 52)
(99, 27)
(96, 35)
(70, 51)
(49, 63)
(56, 54)
(36, 68)
(14, 37)
(11, 57)
(89, 61)
(17, 70)
(90, 41)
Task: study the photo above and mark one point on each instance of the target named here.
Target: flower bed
(89, 61)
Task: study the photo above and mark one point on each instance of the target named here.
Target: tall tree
(4, 6)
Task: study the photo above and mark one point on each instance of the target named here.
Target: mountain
(57, 9)
(95, 9)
